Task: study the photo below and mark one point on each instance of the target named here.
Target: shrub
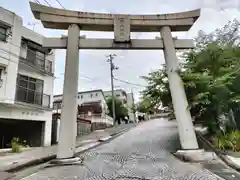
(228, 141)
(17, 145)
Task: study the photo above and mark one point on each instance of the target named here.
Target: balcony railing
(32, 97)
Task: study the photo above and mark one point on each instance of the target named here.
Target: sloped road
(143, 153)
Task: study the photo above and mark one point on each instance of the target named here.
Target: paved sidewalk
(36, 155)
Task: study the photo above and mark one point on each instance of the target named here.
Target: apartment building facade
(26, 83)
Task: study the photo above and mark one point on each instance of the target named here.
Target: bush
(228, 141)
(17, 145)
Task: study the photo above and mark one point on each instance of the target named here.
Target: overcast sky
(94, 70)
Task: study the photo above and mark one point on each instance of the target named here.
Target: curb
(54, 156)
(219, 153)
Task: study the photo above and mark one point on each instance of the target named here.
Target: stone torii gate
(122, 25)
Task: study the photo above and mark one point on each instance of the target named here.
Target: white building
(93, 108)
(26, 83)
(83, 97)
(126, 98)
(119, 93)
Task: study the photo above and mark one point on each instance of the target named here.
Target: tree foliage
(211, 76)
(120, 110)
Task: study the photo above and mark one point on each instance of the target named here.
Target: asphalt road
(143, 153)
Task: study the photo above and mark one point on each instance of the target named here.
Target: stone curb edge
(51, 157)
(219, 153)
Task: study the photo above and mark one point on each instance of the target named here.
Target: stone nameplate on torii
(121, 29)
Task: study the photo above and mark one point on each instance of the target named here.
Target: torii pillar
(122, 25)
(68, 126)
(185, 126)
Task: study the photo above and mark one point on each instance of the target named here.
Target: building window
(36, 58)
(118, 95)
(57, 105)
(91, 95)
(29, 90)
(49, 66)
(96, 94)
(78, 97)
(81, 96)
(54, 106)
(3, 33)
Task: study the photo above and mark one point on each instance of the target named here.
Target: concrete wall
(83, 128)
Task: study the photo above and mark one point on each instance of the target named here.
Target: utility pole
(112, 67)
(133, 105)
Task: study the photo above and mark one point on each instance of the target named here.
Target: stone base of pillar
(197, 155)
(67, 161)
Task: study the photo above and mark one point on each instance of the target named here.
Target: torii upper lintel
(55, 18)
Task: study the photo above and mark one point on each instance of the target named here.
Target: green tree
(120, 110)
(157, 92)
(211, 76)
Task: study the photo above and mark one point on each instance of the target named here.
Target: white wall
(24, 113)
(85, 97)
(47, 133)
(9, 52)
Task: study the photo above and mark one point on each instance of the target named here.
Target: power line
(60, 4)
(129, 82)
(47, 3)
(36, 1)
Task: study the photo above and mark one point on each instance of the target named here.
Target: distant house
(92, 108)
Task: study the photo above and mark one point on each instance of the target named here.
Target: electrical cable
(36, 1)
(47, 3)
(128, 82)
(60, 4)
